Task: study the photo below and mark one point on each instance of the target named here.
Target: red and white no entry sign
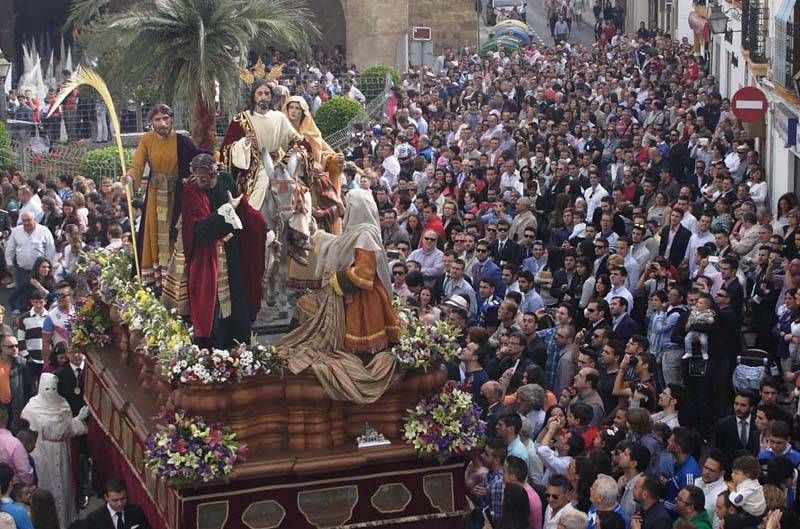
(749, 104)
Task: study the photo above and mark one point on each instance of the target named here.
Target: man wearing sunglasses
(430, 257)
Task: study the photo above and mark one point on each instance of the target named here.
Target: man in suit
(504, 249)
(565, 279)
(117, 513)
(486, 269)
(70, 386)
(723, 244)
(738, 432)
(623, 326)
(492, 394)
(730, 282)
(674, 239)
(698, 178)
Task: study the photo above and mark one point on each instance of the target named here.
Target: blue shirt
(592, 514)
(21, 517)
(493, 483)
(531, 302)
(765, 456)
(548, 336)
(685, 473)
(517, 449)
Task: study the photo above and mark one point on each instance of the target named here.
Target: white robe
(50, 416)
(273, 132)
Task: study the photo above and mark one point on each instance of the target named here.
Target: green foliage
(334, 115)
(185, 45)
(101, 163)
(372, 81)
(6, 155)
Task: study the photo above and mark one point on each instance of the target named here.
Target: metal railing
(49, 149)
(758, 30)
(34, 154)
(375, 109)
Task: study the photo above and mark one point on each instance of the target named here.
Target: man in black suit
(698, 178)
(492, 393)
(622, 325)
(117, 513)
(674, 239)
(738, 432)
(504, 249)
(70, 386)
(730, 282)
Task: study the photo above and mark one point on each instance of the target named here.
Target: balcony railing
(757, 25)
(745, 24)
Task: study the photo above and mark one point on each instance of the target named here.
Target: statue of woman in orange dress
(355, 322)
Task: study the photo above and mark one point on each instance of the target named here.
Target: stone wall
(374, 28)
(453, 23)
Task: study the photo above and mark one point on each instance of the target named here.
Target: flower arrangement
(188, 363)
(141, 310)
(89, 325)
(445, 424)
(109, 271)
(423, 346)
(186, 450)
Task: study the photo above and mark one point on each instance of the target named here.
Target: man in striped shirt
(29, 335)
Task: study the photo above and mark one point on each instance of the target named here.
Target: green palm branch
(82, 12)
(187, 46)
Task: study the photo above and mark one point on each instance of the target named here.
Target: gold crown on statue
(259, 71)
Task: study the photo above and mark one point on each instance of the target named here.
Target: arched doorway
(332, 23)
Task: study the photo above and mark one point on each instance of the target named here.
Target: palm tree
(192, 48)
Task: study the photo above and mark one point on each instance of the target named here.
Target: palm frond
(86, 76)
(82, 12)
(187, 45)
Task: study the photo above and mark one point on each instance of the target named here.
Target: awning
(700, 26)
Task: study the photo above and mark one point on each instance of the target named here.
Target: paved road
(538, 24)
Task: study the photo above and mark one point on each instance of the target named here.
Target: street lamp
(5, 67)
(717, 20)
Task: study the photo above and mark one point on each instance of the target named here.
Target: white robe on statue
(273, 132)
(50, 416)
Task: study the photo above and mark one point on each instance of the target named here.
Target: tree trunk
(204, 124)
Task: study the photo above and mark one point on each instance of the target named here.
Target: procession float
(279, 432)
(231, 438)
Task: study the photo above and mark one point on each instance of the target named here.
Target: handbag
(698, 367)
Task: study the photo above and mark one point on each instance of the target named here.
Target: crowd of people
(597, 225)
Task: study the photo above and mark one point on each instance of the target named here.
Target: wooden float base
(302, 474)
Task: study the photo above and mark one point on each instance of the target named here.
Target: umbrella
(512, 22)
(506, 42)
(514, 32)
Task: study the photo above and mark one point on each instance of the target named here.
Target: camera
(633, 362)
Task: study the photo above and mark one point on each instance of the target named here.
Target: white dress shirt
(34, 205)
(24, 248)
(593, 195)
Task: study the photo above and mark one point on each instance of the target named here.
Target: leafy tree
(334, 115)
(192, 49)
(372, 81)
(6, 155)
(100, 163)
